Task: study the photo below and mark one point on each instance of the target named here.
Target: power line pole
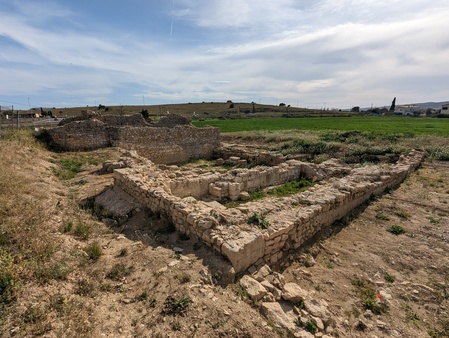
(17, 118)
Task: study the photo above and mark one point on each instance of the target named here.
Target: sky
(315, 54)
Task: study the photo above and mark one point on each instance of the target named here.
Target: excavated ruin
(254, 232)
(247, 233)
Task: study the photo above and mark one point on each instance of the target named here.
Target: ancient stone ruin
(172, 140)
(263, 231)
(251, 233)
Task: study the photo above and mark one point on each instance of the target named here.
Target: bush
(259, 220)
(94, 251)
(82, 231)
(176, 307)
(119, 271)
(396, 230)
(56, 271)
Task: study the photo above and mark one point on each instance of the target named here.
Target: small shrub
(402, 214)
(396, 230)
(389, 278)
(82, 231)
(311, 327)
(241, 292)
(382, 217)
(369, 297)
(176, 307)
(119, 271)
(433, 220)
(259, 220)
(67, 227)
(94, 251)
(299, 304)
(84, 288)
(56, 271)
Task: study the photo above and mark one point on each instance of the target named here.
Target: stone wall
(168, 145)
(177, 144)
(292, 220)
(81, 135)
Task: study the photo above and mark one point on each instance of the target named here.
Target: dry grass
(31, 250)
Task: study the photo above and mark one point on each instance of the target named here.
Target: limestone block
(244, 251)
(262, 273)
(281, 315)
(215, 191)
(255, 290)
(293, 292)
(318, 309)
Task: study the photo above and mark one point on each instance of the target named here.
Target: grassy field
(404, 125)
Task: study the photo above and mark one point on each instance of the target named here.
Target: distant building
(445, 109)
(408, 110)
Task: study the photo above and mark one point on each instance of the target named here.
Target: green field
(405, 125)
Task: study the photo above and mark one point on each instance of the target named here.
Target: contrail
(172, 11)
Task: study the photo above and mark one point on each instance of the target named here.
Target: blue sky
(323, 53)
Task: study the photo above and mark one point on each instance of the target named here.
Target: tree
(393, 104)
(145, 114)
(355, 109)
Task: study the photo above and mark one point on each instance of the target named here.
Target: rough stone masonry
(191, 199)
(172, 140)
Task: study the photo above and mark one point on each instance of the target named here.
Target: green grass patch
(82, 231)
(389, 278)
(290, 188)
(399, 126)
(310, 327)
(396, 230)
(287, 189)
(259, 220)
(369, 299)
(94, 251)
(382, 217)
(176, 307)
(67, 168)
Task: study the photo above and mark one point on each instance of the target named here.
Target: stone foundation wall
(292, 220)
(168, 145)
(177, 144)
(81, 135)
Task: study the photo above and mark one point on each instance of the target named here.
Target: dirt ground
(150, 281)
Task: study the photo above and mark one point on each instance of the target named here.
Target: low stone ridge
(172, 140)
(190, 197)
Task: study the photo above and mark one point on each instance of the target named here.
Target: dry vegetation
(63, 273)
